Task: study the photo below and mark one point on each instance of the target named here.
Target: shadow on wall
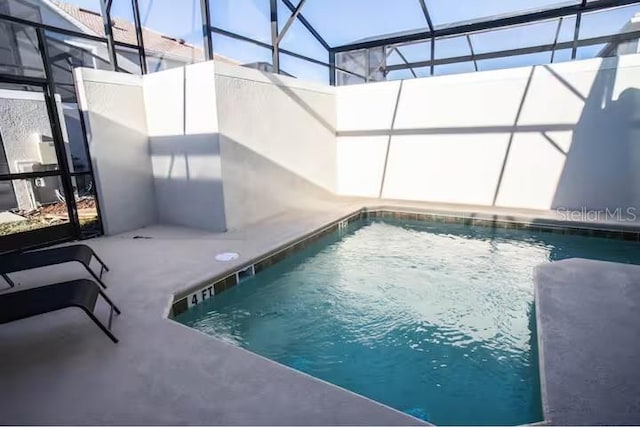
(122, 168)
(225, 172)
(256, 187)
(76, 141)
(215, 183)
(572, 143)
(281, 85)
(174, 180)
(601, 167)
(212, 182)
(188, 180)
(292, 127)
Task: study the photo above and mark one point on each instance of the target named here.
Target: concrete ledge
(105, 76)
(206, 287)
(589, 341)
(239, 72)
(230, 277)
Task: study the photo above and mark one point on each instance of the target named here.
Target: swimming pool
(433, 319)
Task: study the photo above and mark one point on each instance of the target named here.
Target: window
(19, 53)
(128, 60)
(67, 53)
(64, 14)
(359, 19)
(607, 22)
(124, 27)
(249, 18)
(242, 52)
(412, 52)
(31, 204)
(368, 63)
(514, 61)
(303, 70)
(172, 35)
(442, 11)
(297, 38)
(451, 47)
(25, 130)
(454, 68)
(515, 37)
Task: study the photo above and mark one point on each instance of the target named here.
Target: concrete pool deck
(588, 315)
(60, 369)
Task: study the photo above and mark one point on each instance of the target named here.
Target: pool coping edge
(230, 277)
(207, 288)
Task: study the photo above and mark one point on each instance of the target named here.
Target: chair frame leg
(108, 300)
(110, 318)
(8, 280)
(100, 325)
(104, 266)
(95, 276)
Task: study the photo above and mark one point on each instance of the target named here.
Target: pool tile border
(195, 295)
(203, 291)
(509, 222)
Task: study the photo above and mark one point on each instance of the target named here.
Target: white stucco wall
(217, 147)
(185, 146)
(568, 129)
(114, 109)
(226, 146)
(232, 145)
(277, 143)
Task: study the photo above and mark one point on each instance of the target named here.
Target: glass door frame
(63, 232)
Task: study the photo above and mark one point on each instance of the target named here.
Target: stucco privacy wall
(541, 137)
(185, 146)
(271, 138)
(277, 143)
(113, 106)
(230, 145)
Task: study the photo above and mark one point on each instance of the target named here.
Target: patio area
(162, 136)
(58, 368)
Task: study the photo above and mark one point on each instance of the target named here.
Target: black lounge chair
(82, 293)
(15, 262)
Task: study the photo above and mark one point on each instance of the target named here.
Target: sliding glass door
(47, 191)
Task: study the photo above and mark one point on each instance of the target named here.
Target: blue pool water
(435, 320)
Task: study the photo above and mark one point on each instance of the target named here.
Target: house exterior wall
(23, 118)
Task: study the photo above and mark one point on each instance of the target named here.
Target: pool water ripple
(432, 319)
